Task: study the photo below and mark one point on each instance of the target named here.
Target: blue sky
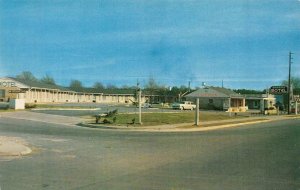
(245, 43)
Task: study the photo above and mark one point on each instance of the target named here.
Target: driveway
(42, 117)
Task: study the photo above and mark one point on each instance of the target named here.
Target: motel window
(2, 93)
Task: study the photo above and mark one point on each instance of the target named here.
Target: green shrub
(112, 113)
(29, 106)
(106, 121)
(6, 107)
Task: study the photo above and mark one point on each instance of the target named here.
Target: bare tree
(26, 75)
(152, 84)
(295, 82)
(98, 85)
(48, 80)
(111, 86)
(76, 85)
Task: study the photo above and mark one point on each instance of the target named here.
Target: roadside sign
(296, 98)
(279, 89)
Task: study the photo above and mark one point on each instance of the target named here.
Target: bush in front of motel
(30, 105)
(4, 106)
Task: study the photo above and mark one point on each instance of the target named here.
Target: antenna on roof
(222, 84)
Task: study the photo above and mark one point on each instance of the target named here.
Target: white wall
(17, 104)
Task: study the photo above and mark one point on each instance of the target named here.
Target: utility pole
(289, 83)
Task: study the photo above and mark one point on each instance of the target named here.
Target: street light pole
(289, 83)
(140, 106)
(197, 112)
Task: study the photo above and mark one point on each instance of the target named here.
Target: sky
(244, 43)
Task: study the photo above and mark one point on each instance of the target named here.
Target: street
(261, 157)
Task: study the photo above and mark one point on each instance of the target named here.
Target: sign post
(296, 99)
(140, 106)
(279, 90)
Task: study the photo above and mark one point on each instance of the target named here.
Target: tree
(26, 75)
(98, 85)
(76, 85)
(48, 80)
(128, 87)
(295, 82)
(152, 84)
(111, 86)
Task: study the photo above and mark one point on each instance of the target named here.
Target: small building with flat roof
(260, 101)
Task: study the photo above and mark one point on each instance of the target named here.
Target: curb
(82, 124)
(174, 129)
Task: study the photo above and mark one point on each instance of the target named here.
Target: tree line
(152, 86)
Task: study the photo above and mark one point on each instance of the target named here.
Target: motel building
(217, 98)
(260, 101)
(37, 92)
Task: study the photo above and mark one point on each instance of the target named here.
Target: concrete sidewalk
(188, 127)
(42, 117)
(13, 146)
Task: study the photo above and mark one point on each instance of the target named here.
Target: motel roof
(116, 91)
(214, 92)
(37, 84)
(41, 85)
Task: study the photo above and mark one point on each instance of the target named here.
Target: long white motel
(37, 92)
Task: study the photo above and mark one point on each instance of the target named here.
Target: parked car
(185, 105)
(146, 105)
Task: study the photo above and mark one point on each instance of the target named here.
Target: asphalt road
(261, 157)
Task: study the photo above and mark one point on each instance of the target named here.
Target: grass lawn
(7, 110)
(149, 119)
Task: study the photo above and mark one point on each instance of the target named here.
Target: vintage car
(185, 105)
